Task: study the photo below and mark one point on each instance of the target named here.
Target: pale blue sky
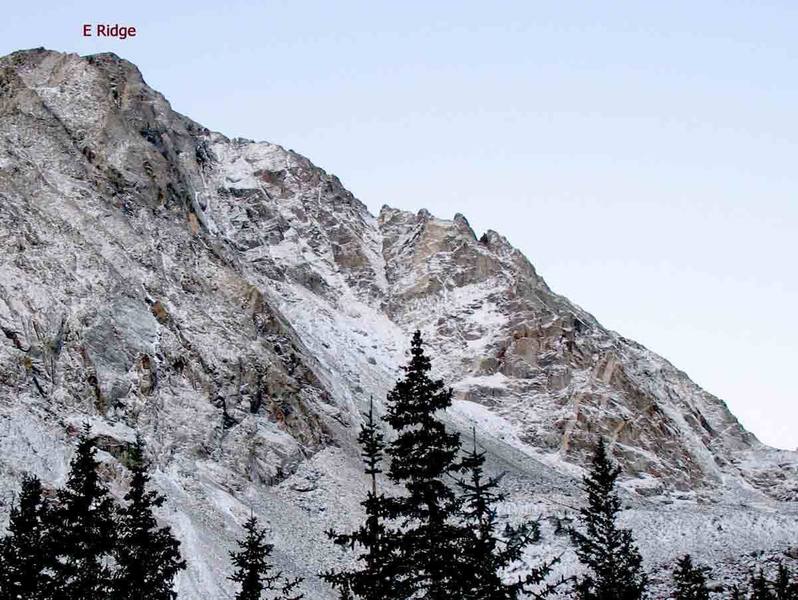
(641, 154)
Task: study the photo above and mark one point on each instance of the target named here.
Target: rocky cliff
(238, 306)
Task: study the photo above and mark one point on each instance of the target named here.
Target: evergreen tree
(23, 552)
(375, 578)
(82, 530)
(487, 555)
(760, 587)
(147, 557)
(423, 456)
(614, 564)
(785, 587)
(254, 574)
(690, 580)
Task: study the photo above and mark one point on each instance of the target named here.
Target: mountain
(239, 307)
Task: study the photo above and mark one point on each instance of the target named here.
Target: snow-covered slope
(239, 307)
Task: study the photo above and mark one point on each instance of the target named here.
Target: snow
(290, 281)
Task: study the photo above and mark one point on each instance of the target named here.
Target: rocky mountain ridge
(239, 306)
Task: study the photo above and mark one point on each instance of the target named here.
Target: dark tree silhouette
(24, 553)
(82, 530)
(431, 542)
(423, 456)
(375, 577)
(759, 587)
(690, 580)
(488, 555)
(147, 556)
(256, 577)
(785, 586)
(613, 562)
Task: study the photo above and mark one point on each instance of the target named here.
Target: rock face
(238, 306)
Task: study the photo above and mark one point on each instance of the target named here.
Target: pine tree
(375, 578)
(487, 555)
(254, 574)
(785, 586)
(23, 552)
(423, 456)
(431, 543)
(614, 564)
(147, 557)
(690, 580)
(760, 587)
(82, 530)
(483, 554)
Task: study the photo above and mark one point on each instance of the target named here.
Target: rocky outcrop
(545, 364)
(116, 299)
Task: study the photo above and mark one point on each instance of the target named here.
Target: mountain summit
(239, 307)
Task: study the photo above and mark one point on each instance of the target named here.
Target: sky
(641, 154)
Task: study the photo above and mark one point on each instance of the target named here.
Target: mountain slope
(239, 306)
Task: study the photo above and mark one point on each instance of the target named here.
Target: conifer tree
(374, 579)
(254, 574)
(487, 555)
(424, 456)
(23, 552)
(690, 580)
(82, 530)
(614, 564)
(147, 556)
(785, 586)
(759, 587)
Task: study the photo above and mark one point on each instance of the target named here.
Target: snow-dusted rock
(239, 307)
